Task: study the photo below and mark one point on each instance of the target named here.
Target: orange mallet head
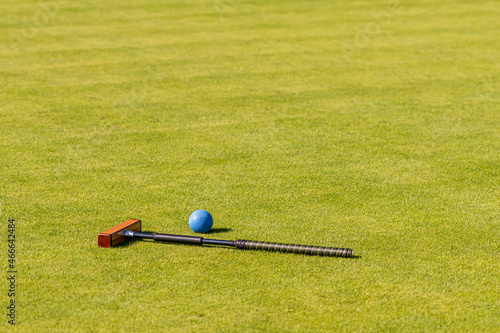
(116, 235)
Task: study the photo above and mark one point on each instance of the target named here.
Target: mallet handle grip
(294, 248)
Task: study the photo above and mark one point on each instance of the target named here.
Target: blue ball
(201, 221)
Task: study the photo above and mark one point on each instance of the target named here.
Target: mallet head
(116, 234)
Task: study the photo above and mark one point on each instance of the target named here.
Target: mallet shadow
(127, 243)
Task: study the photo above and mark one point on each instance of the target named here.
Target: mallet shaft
(247, 245)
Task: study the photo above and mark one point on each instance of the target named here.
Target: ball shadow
(219, 231)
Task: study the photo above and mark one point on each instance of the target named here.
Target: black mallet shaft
(246, 244)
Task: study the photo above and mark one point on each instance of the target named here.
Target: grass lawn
(373, 125)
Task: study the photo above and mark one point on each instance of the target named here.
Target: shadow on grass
(126, 243)
(218, 231)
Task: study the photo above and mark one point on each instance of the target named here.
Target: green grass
(290, 121)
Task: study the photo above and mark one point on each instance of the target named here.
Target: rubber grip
(295, 248)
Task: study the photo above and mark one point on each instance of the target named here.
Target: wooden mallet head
(116, 235)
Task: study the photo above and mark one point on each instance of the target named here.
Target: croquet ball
(201, 221)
